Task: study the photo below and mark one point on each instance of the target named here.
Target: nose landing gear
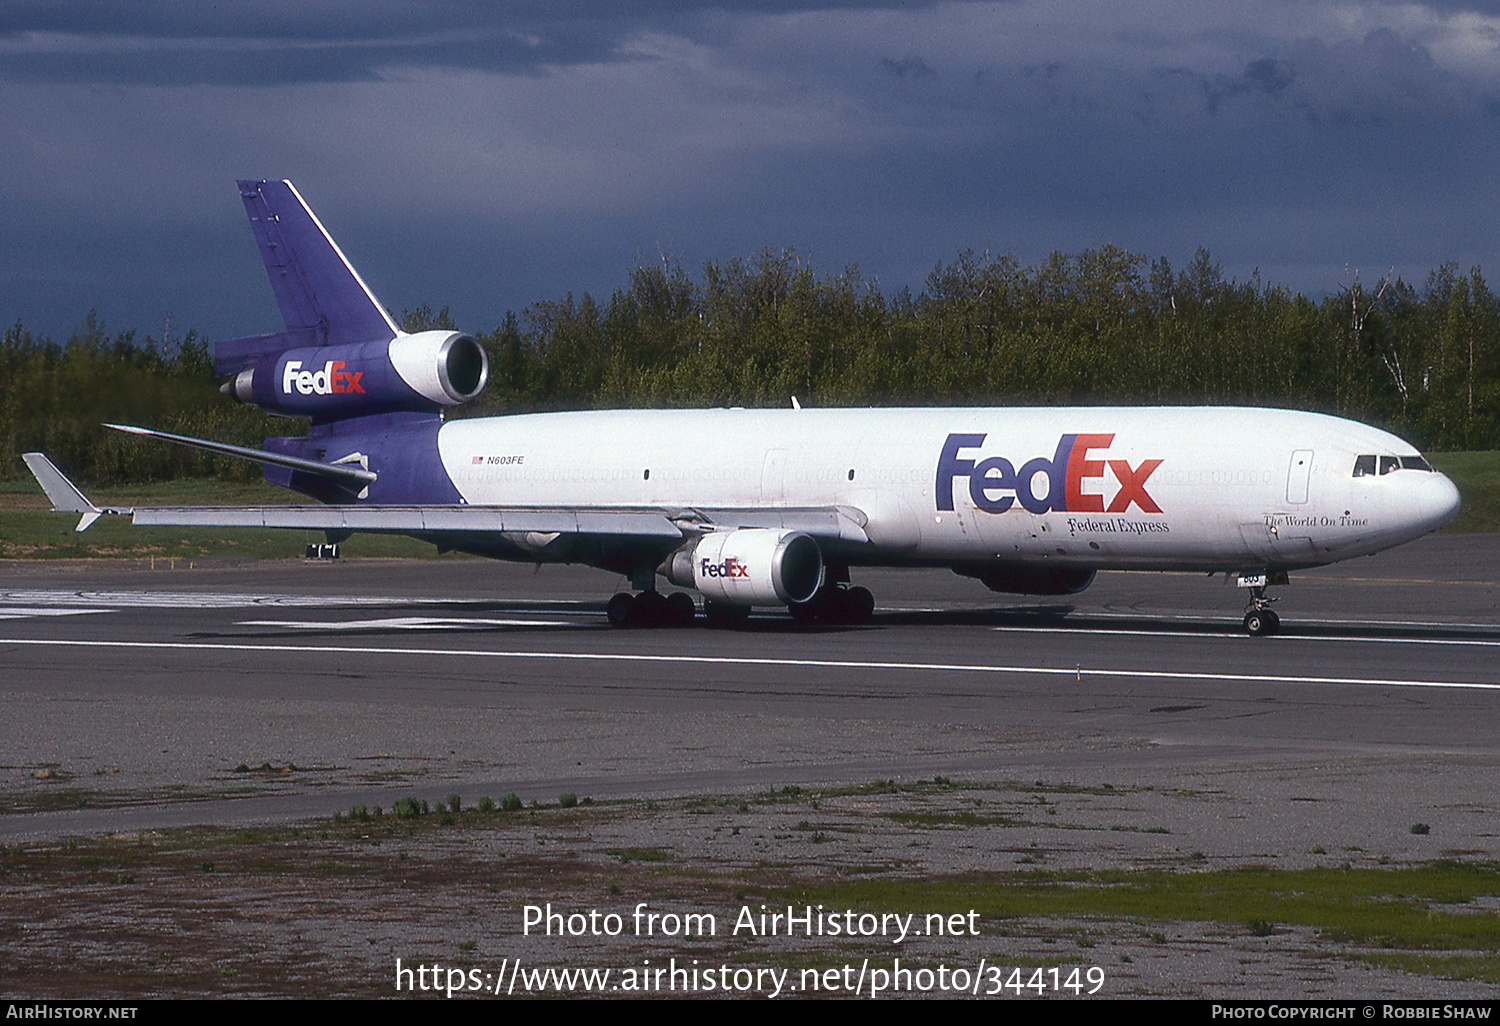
(1262, 622)
(1260, 619)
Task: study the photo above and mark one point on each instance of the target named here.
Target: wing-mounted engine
(751, 566)
(1025, 580)
(420, 373)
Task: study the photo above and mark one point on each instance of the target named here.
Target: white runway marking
(252, 600)
(1079, 672)
(1298, 618)
(1230, 621)
(192, 599)
(39, 598)
(403, 623)
(26, 612)
(1063, 628)
(1278, 638)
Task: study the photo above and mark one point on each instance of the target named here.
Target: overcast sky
(486, 155)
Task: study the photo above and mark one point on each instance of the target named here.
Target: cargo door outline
(1299, 476)
(773, 476)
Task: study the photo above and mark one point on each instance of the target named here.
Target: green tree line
(1101, 326)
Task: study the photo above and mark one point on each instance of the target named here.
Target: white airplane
(773, 508)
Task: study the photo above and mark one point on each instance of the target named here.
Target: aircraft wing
(654, 523)
(413, 519)
(831, 522)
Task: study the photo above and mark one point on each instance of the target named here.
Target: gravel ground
(327, 908)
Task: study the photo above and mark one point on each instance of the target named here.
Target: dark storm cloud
(242, 62)
(199, 44)
(339, 19)
(1381, 77)
(170, 42)
(488, 155)
(908, 67)
(1485, 7)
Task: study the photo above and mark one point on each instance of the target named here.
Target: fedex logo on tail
(331, 380)
(995, 484)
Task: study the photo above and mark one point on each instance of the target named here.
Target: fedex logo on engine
(331, 380)
(995, 484)
(731, 567)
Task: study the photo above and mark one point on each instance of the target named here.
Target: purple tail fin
(322, 298)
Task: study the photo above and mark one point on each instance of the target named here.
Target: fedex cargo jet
(773, 508)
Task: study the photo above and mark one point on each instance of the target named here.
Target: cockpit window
(1370, 465)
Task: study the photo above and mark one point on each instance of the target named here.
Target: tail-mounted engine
(421, 373)
(750, 567)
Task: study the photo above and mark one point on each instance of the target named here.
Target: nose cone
(1438, 501)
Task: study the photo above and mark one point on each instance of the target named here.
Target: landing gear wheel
(1262, 623)
(650, 610)
(859, 605)
(804, 613)
(835, 605)
(823, 607)
(723, 615)
(621, 610)
(680, 609)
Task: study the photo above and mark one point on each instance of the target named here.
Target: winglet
(64, 494)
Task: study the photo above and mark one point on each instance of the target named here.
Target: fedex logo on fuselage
(995, 484)
(331, 380)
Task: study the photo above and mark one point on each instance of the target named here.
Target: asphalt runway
(283, 689)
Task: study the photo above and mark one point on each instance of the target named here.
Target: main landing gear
(835, 604)
(651, 609)
(1260, 619)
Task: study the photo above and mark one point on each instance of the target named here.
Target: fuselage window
(1364, 466)
(1388, 464)
(1415, 463)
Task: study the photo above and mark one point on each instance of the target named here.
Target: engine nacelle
(422, 372)
(752, 566)
(1019, 580)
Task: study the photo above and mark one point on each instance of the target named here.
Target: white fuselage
(1202, 488)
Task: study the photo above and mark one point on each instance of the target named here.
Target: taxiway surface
(137, 697)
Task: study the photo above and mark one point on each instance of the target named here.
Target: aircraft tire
(859, 605)
(723, 615)
(621, 610)
(1261, 623)
(681, 612)
(835, 605)
(804, 614)
(652, 610)
(830, 605)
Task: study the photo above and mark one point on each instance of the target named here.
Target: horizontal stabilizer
(350, 475)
